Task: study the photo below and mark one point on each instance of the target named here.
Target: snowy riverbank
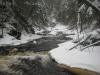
(87, 59)
(9, 40)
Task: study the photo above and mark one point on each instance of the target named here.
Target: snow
(82, 8)
(9, 40)
(58, 28)
(90, 10)
(87, 59)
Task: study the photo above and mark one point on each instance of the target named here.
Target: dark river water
(28, 66)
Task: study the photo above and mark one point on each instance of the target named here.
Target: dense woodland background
(29, 14)
(26, 16)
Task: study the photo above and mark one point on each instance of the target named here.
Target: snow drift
(87, 59)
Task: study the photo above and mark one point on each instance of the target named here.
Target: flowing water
(32, 59)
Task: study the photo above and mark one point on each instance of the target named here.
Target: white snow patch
(58, 28)
(9, 40)
(87, 59)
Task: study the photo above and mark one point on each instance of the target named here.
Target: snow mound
(9, 40)
(87, 59)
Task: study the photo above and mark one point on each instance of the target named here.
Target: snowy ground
(60, 28)
(87, 59)
(9, 40)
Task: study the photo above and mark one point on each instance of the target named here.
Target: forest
(49, 37)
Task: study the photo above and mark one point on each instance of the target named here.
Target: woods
(68, 31)
(39, 12)
(15, 15)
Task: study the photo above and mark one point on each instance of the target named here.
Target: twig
(80, 42)
(90, 45)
